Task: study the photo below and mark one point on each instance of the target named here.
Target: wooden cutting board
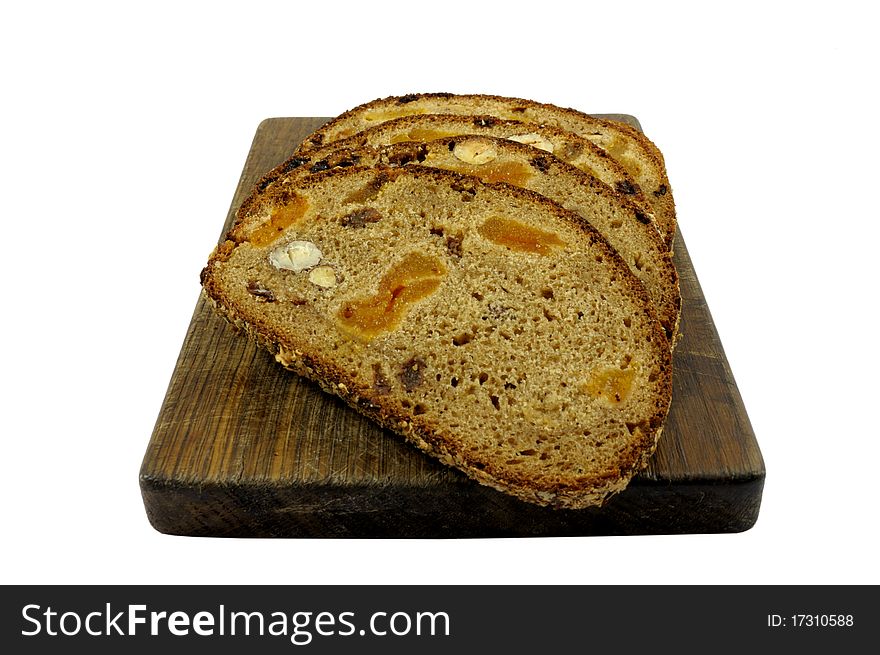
(243, 448)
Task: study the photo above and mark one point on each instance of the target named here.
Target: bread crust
(588, 490)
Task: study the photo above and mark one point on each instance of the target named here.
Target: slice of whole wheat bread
(501, 160)
(489, 326)
(567, 146)
(635, 152)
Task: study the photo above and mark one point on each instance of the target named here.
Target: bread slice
(635, 152)
(569, 147)
(489, 326)
(500, 160)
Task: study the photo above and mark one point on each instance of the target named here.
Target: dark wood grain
(242, 447)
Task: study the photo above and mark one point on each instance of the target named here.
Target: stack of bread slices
(490, 278)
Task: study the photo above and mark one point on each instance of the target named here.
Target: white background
(124, 131)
